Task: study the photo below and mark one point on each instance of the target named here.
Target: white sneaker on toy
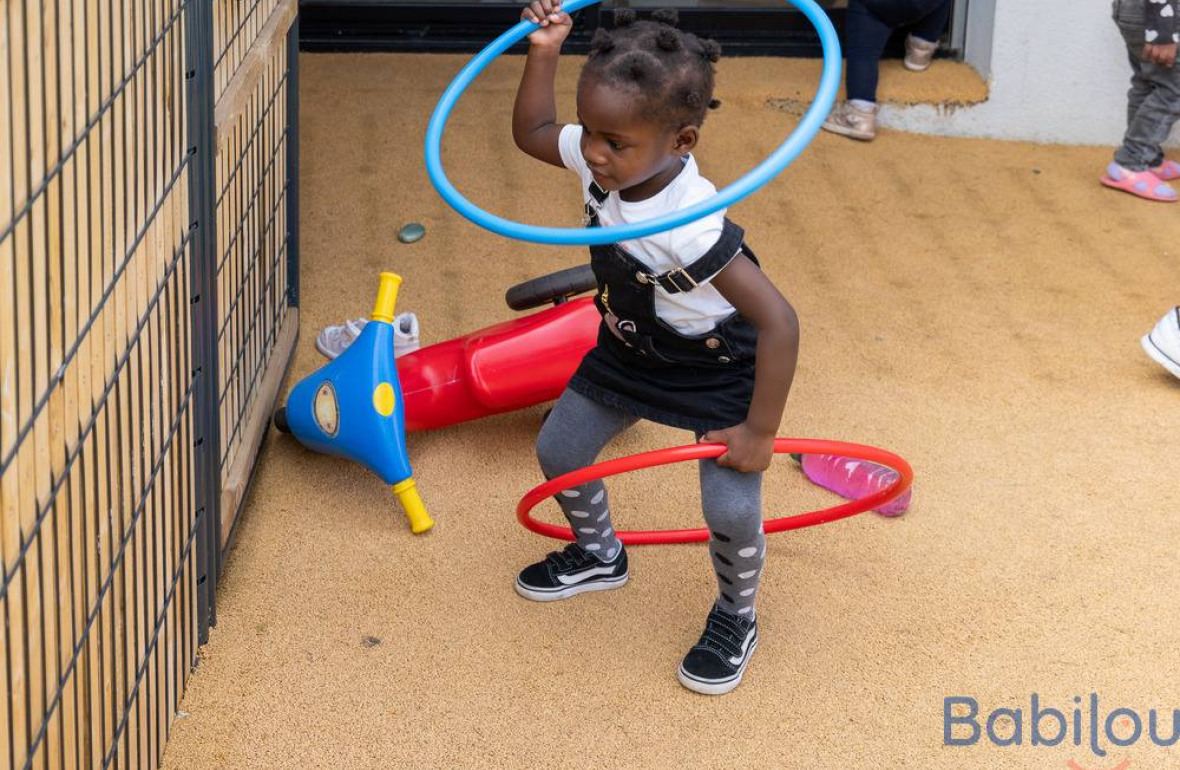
(405, 334)
(334, 340)
(1163, 342)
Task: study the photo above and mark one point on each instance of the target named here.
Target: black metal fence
(147, 311)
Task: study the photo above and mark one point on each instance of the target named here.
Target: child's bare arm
(534, 115)
(746, 287)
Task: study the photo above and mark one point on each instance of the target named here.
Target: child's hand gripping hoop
(700, 451)
(778, 160)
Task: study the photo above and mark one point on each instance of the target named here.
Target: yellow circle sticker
(383, 399)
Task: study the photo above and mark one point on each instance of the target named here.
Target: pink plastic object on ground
(853, 479)
(497, 369)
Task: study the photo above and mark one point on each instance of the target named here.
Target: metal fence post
(293, 164)
(201, 188)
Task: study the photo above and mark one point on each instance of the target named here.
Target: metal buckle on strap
(675, 277)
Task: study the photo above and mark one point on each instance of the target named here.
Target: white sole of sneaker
(1159, 356)
(916, 67)
(574, 590)
(705, 687)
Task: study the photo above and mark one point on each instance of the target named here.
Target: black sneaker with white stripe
(570, 572)
(715, 665)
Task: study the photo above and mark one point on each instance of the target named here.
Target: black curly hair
(671, 69)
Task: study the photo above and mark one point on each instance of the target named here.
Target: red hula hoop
(701, 451)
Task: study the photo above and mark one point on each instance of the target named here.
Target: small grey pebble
(411, 233)
(370, 641)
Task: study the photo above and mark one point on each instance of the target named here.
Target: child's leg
(868, 24)
(1126, 18)
(732, 504)
(1153, 102)
(575, 432)
(933, 23)
(865, 36)
(1140, 88)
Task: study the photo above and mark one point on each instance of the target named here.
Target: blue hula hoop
(758, 176)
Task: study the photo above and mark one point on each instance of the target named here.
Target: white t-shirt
(691, 312)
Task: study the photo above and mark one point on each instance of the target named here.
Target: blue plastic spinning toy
(353, 407)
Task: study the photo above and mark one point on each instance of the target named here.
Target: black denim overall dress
(698, 382)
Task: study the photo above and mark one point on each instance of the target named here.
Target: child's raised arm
(534, 115)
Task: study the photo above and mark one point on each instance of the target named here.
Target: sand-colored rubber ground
(974, 306)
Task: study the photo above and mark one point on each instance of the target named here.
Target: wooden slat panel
(95, 371)
(237, 25)
(251, 233)
(69, 521)
(11, 710)
(19, 597)
(243, 82)
(94, 456)
(54, 461)
(237, 475)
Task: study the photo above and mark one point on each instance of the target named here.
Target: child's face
(625, 150)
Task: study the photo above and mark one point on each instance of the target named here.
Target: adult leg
(575, 432)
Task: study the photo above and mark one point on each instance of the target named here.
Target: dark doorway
(743, 27)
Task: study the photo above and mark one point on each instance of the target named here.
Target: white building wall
(1057, 70)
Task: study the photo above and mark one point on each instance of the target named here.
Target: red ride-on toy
(501, 368)
(508, 366)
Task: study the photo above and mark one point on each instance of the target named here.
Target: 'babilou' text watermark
(1087, 722)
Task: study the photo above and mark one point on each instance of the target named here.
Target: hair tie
(624, 16)
(601, 42)
(667, 39)
(669, 16)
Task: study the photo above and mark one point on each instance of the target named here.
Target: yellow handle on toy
(386, 297)
(407, 495)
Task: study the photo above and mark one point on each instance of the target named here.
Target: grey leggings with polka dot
(576, 431)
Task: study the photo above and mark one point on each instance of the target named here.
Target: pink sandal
(1144, 184)
(1167, 171)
